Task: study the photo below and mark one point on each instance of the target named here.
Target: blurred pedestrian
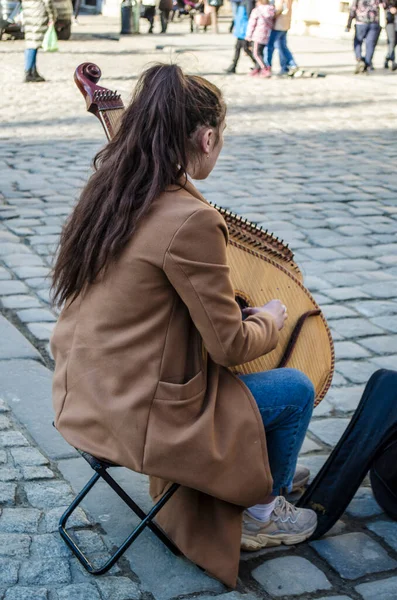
(212, 8)
(165, 8)
(260, 25)
(149, 12)
(391, 30)
(243, 12)
(37, 16)
(367, 28)
(278, 38)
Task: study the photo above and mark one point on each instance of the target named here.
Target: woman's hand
(276, 308)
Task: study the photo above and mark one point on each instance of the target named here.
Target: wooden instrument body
(262, 268)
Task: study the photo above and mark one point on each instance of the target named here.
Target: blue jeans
(285, 398)
(370, 33)
(278, 39)
(30, 58)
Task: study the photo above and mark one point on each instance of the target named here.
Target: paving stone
(309, 446)
(17, 345)
(3, 406)
(9, 474)
(336, 311)
(335, 598)
(21, 301)
(26, 593)
(345, 399)
(382, 589)
(290, 576)
(48, 494)
(322, 409)
(384, 362)
(355, 371)
(329, 430)
(25, 272)
(314, 462)
(79, 591)
(5, 422)
(49, 545)
(41, 330)
(22, 259)
(12, 438)
(350, 350)
(30, 473)
(90, 542)
(7, 494)
(363, 504)
(354, 555)
(51, 519)
(122, 588)
(14, 545)
(386, 530)
(228, 596)
(19, 520)
(44, 572)
(375, 308)
(9, 287)
(3, 457)
(345, 293)
(381, 344)
(8, 571)
(35, 315)
(354, 328)
(28, 457)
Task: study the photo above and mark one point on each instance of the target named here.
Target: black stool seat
(101, 466)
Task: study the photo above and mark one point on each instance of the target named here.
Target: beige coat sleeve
(196, 265)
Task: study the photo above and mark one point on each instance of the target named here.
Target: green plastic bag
(50, 41)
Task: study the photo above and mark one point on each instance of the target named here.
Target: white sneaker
(287, 525)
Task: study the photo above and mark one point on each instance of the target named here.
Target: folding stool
(100, 467)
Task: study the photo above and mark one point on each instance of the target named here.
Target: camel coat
(142, 378)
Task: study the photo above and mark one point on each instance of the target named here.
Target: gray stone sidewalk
(311, 160)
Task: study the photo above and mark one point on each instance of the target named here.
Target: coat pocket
(181, 391)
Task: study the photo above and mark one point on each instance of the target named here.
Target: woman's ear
(207, 140)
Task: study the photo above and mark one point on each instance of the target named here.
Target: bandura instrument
(261, 267)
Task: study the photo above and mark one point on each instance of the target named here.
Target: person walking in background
(367, 28)
(278, 38)
(260, 25)
(149, 12)
(212, 8)
(165, 8)
(391, 30)
(243, 12)
(37, 15)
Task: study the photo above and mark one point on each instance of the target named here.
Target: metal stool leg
(146, 522)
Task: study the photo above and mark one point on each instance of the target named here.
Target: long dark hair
(150, 152)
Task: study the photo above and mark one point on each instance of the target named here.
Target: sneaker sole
(253, 543)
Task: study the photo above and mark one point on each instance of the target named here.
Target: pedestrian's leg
(285, 398)
(258, 55)
(371, 40)
(270, 47)
(30, 59)
(235, 6)
(288, 57)
(360, 33)
(391, 42)
(248, 51)
(150, 12)
(77, 8)
(237, 50)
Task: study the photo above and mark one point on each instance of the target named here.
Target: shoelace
(284, 511)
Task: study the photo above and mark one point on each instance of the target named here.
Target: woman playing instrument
(149, 329)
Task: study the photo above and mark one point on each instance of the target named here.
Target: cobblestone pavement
(312, 160)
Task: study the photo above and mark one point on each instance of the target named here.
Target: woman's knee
(303, 388)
